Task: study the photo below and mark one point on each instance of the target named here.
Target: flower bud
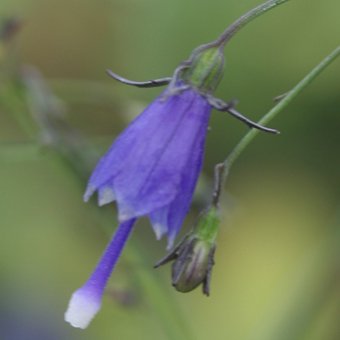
(194, 256)
(193, 266)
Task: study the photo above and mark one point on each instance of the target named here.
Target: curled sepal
(148, 83)
(194, 256)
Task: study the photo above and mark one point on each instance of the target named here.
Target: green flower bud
(193, 265)
(206, 69)
(194, 256)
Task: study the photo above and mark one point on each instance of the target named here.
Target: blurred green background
(276, 274)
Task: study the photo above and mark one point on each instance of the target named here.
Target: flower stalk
(245, 19)
(222, 170)
(281, 105)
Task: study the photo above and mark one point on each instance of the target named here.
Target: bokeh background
(277, 263)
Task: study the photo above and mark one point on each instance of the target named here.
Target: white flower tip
(125, 213)
(82, 308)
(159, 229)
(89, 192)
(106, 195)
(171, 241)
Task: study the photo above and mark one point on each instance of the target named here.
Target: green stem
(231, 30)
(248, 138)
(245, 19)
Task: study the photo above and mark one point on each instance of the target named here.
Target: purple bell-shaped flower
(153, 166)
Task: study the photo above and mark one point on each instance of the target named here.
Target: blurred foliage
(276, 273)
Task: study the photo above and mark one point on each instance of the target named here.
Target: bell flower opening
(153, 166)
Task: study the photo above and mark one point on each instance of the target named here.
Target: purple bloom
(153, 166)
(151, 169)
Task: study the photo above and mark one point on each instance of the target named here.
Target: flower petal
(105, 195)
(159, 221)
(171, 216)
(144, 166)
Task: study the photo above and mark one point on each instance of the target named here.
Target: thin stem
(245, 19)
(238, 24)
(247, 139)
(219, 171)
